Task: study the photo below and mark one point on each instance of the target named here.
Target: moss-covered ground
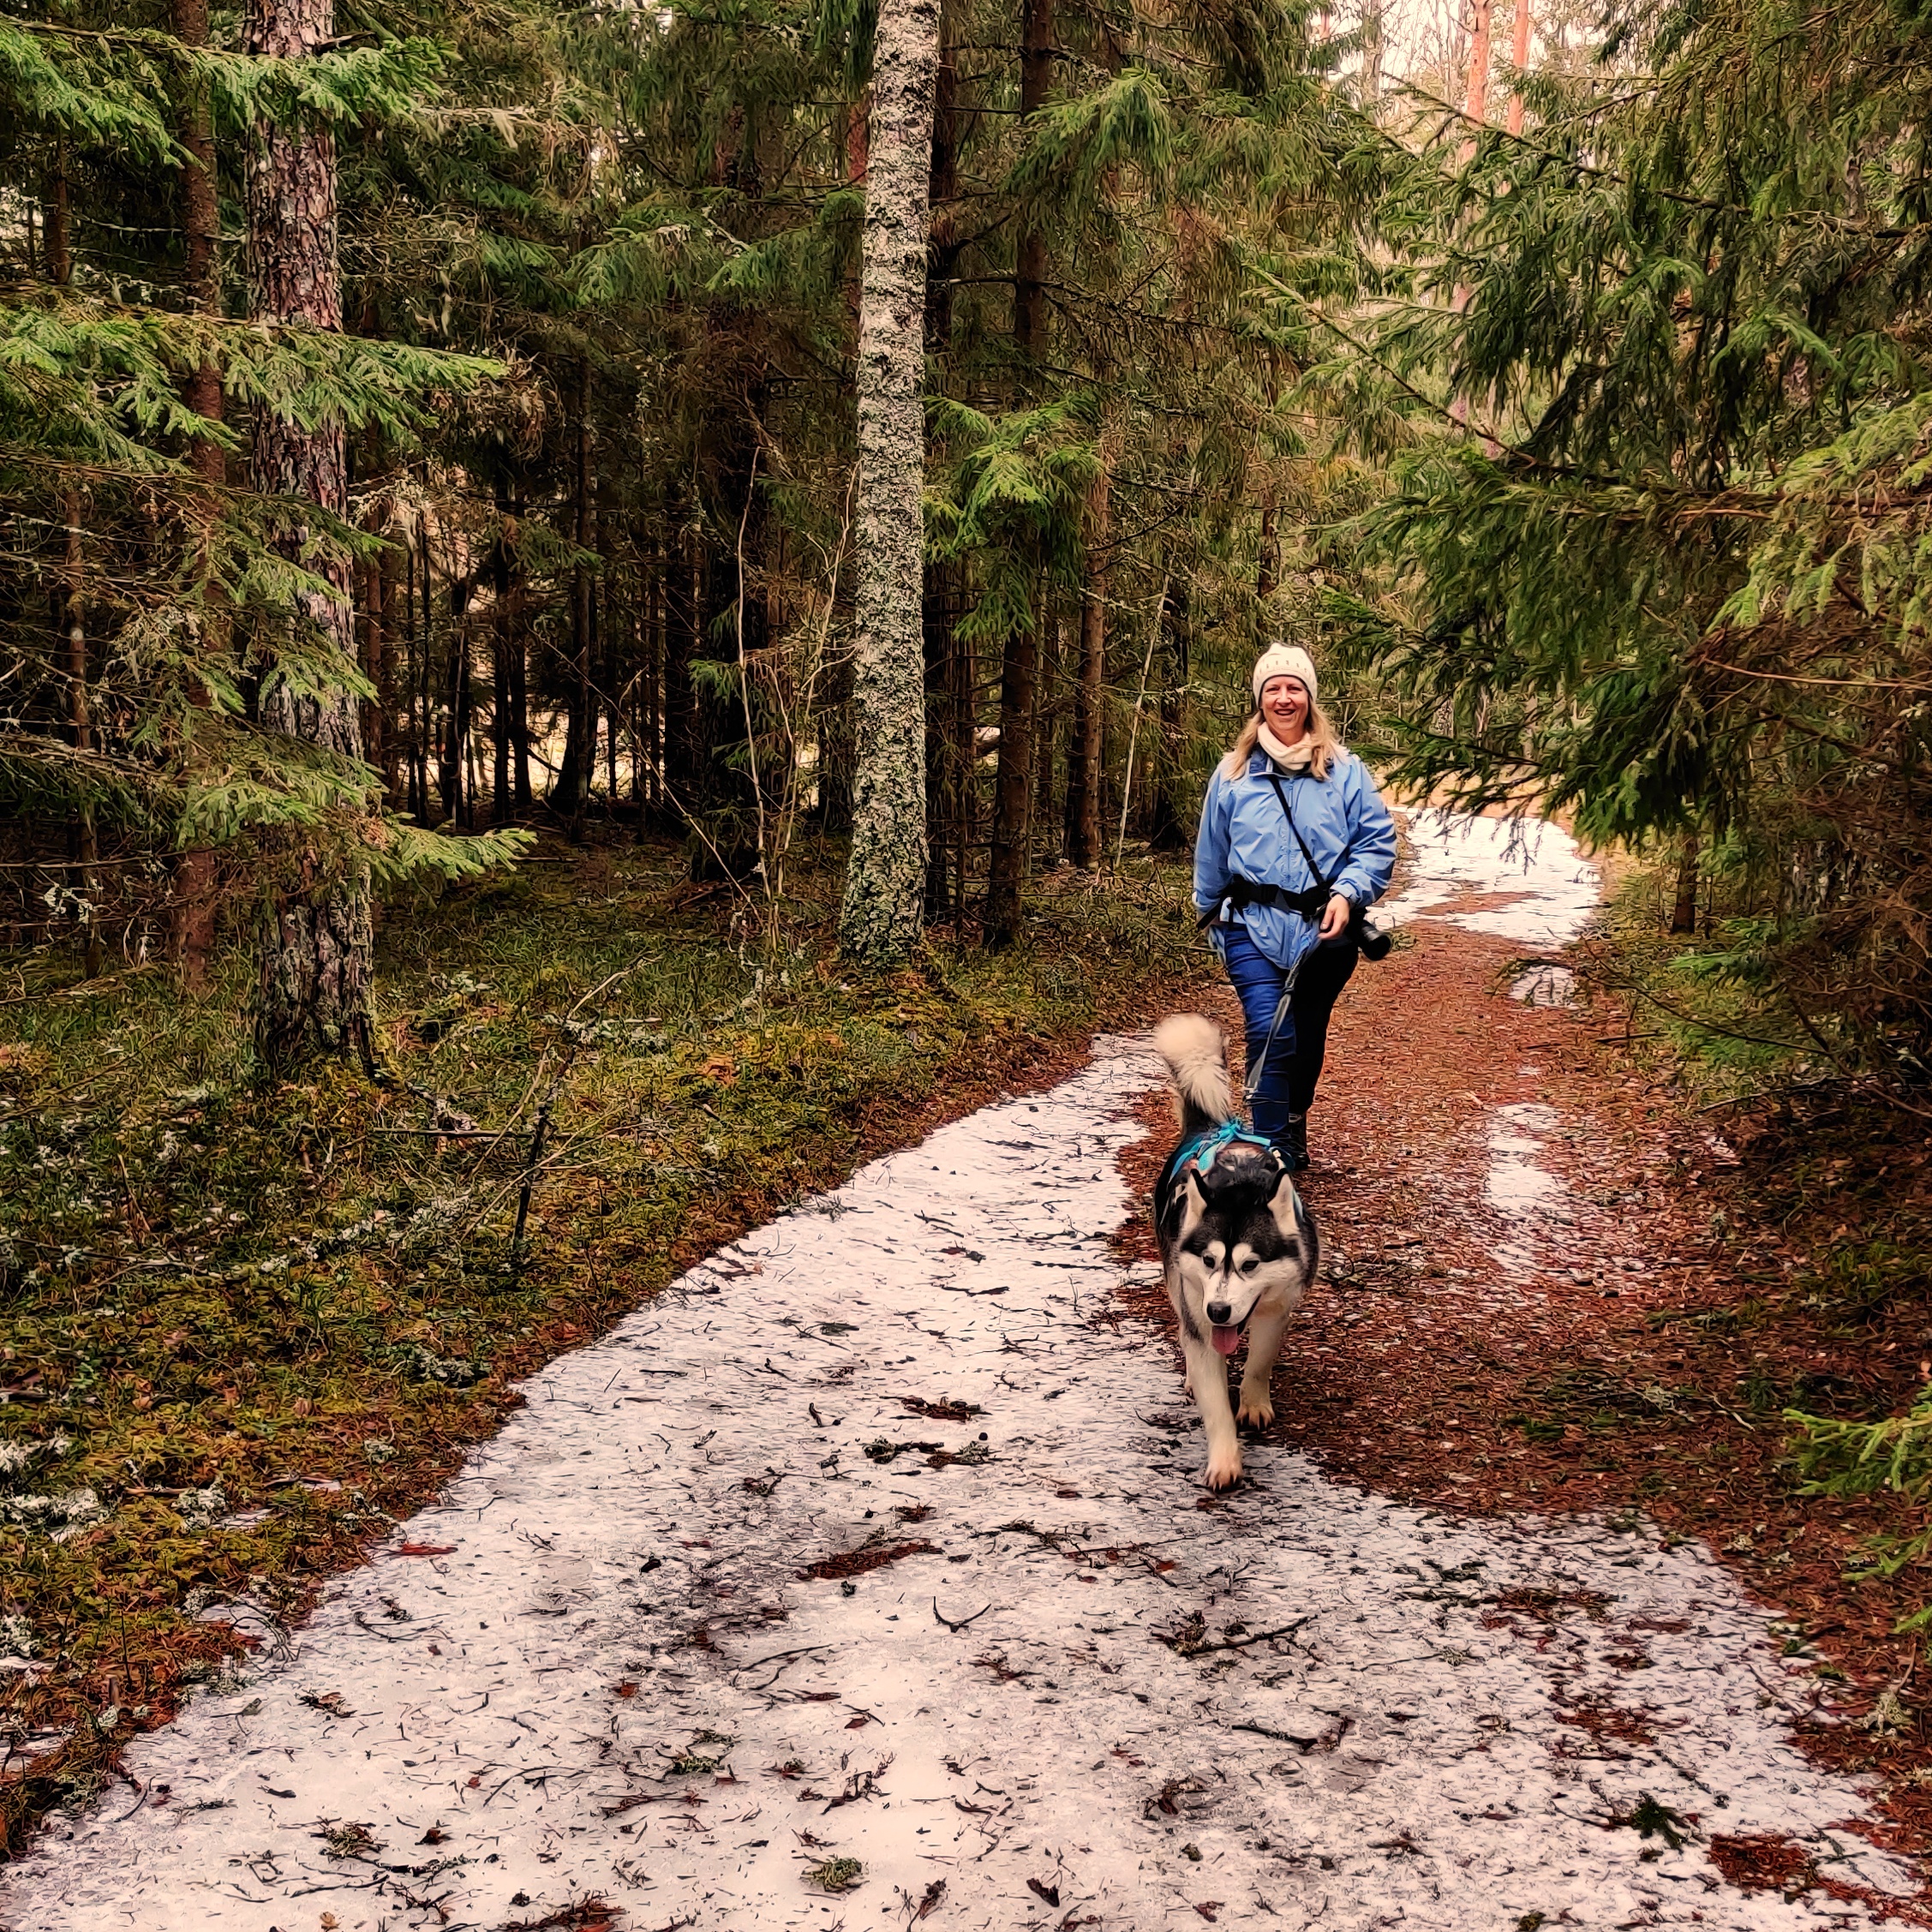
(245, 1325)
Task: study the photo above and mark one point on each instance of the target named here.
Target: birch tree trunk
(316, 947)
(880, 920)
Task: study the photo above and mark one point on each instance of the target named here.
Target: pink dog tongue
(1227, 1340)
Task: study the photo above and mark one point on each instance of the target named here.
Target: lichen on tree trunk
(315, 990)
(880, 920)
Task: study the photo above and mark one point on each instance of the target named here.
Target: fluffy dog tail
(1197, 1057)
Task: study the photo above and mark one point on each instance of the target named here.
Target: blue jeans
(1294, 1061)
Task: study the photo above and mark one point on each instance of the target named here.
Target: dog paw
(1223, 1472)
(1256, 1410)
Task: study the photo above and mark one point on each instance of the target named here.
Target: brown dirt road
(1631, 1347)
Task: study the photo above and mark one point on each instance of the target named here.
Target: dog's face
(1239, 1237)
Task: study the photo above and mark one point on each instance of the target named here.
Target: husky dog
(1237, 1246)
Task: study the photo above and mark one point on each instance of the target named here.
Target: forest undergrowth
(245, 1326)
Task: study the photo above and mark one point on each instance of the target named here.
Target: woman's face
(1284, 705)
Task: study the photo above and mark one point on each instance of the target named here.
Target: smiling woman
(1294, 841)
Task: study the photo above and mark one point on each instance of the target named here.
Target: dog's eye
(1252, 1262)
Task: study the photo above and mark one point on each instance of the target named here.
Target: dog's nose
(1218, 1311)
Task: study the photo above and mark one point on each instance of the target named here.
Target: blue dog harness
(1206, 1144)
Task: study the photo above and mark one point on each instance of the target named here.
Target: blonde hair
(1321, 731)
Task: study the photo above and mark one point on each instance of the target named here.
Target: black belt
(1310, 902)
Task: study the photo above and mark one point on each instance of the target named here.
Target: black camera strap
(1327, 885)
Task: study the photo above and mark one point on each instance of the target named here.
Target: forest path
(880, 1538)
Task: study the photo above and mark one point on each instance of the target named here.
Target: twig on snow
(939, 1616)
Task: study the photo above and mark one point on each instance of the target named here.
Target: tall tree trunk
(519, 667)
(583, 735)
(1087, 720)
(459, 798)
(881, 918)
(1012, 781)
(502, 642)
(939, 614)
(316, 990)
(192, 937)
(374, 713)
(417, 809)
(683, 752)
(80, 717)
(388, 588)
(1020, 660)
(650, 735)
(1519, 56)
(1167, 830)
(1684, 910)
(1036, 81)
(1474, 105)
(942, 587)
(70, 613)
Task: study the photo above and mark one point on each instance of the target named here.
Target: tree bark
(1036, 79)
(1475, 104)
(193, 926)
(1013, 785)
(458, 799)
(502, 642)
(1012, 781)
(69, 614)
(80, 717)
(200, 227)
(945, 839)
(583, 734)
(1087, 720)
(1167, 829)
(316, 950)
(1519, 55)
(1683, 910)
(880, 920)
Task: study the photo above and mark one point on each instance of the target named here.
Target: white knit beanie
(1284, 661)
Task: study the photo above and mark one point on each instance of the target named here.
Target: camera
(1372, 940)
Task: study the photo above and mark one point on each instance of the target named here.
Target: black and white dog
(1237, 1247)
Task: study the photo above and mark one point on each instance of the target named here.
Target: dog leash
(1280, 1013)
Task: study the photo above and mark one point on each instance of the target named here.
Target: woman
(1295, 837)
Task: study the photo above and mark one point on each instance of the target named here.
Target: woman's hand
(1334, 919)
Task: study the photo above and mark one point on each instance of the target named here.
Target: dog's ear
(1190, 1202)
(1285, 1205)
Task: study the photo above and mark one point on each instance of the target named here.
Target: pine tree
(1681, 593)
(317, 940)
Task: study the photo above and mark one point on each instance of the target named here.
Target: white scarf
(1290, 757)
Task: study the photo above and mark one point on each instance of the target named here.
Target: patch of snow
(604, 1664)
(1544, 985)
(1553, 889)
(1516, 1186)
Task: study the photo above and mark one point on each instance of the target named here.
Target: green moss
(836, 1875)
(256, 1322)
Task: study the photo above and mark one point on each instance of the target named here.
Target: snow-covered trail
(1055, 1686)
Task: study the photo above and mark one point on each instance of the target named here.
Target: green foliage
(1669, 576)
(1844, 1459)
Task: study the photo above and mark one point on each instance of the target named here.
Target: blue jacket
(1243, 831)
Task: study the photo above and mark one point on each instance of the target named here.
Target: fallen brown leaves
(1635, 1358)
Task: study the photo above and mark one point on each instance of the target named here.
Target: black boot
(1292, 1143)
